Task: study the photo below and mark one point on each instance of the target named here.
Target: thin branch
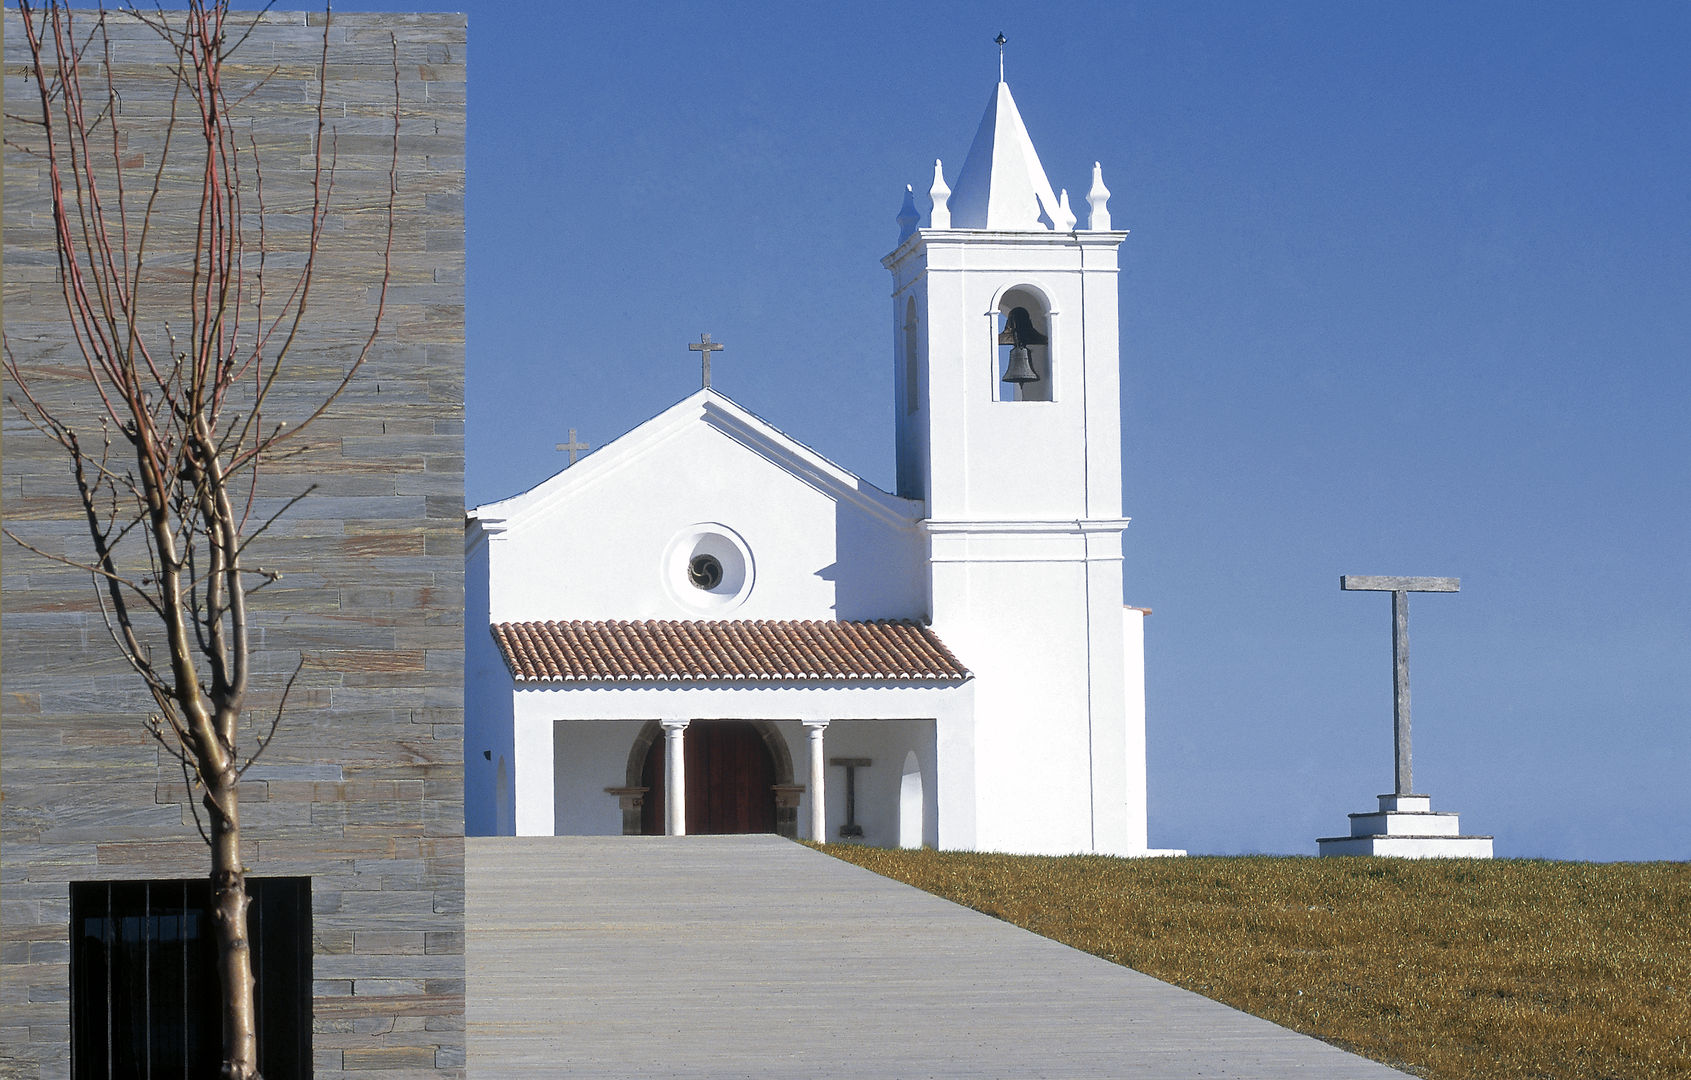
(275, 720)
(193, 804)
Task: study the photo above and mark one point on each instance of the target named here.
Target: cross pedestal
(1405, 823)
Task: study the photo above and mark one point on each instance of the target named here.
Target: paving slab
(753, 956)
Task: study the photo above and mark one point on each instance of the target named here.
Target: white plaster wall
(1107, 724)
(487, 701)
(1136, 837)
(1023, 627)
(591, 542)
(588, 757)
(532, 782)
(1060, 753)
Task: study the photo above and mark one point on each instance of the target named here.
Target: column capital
(674, 725)
(814, 726)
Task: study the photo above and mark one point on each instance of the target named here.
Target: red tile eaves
(724, 651)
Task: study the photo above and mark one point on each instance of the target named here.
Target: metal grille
(144, 984)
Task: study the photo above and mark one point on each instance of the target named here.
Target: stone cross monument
(1405, 823)
(1400, 588)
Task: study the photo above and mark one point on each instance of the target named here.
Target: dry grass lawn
(1445, 968)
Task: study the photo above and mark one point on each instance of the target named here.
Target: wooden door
(730, 780)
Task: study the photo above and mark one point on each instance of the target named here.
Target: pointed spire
(1002, 184)
(1099, 219)
(907, 216)
(940, 216)
(1063, 219)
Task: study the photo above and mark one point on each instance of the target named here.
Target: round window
(705, 572)
(707, 568)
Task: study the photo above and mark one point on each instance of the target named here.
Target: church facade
(770, 643)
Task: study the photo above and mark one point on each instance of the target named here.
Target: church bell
(1019, 333)
(1020, 368)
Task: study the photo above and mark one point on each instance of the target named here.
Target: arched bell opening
(1024, 368)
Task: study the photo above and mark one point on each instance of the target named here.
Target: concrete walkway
(752, 956)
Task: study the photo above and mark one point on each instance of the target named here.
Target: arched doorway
(731, 778)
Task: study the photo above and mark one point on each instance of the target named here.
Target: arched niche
(910, 803)
(1023, 319)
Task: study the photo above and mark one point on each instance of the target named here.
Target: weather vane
(1000, 40)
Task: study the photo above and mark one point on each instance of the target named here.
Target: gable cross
(1400, 588)
(573, 448)
(704, 347)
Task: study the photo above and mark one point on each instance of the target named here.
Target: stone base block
(1408, 847)
(1407, 827)
(1395, 823)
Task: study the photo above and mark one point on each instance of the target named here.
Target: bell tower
(1007, 355)
(1007, 399)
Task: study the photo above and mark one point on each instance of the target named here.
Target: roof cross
(573, 448)
(704, 347)
(1400, 588)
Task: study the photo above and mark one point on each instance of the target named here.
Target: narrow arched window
(1024, 349)
(912, 358)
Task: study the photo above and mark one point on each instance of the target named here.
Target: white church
(769, 643)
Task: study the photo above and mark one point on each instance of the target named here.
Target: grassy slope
(1446, 968)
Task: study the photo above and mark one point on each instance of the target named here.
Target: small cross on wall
(573, 448)
(704, 347)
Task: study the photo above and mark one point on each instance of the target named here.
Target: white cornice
(1056, 527)
(939, 238)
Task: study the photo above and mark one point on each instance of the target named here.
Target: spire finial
(999, 41)
(1063, 220)
(1099, 197)
(908, 219)
(940, 216)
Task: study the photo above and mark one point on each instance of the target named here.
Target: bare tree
(183, 316)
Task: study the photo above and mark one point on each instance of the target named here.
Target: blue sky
(1407, 291)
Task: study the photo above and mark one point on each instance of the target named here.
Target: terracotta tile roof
(725, 651)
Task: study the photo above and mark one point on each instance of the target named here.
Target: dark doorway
(730, 780)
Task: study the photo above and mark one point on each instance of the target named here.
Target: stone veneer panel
(363, 787)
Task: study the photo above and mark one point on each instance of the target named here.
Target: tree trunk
(229, 904)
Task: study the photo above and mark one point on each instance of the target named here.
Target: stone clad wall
(363, 788)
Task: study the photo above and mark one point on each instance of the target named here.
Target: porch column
(674, 778)
(818, 773)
